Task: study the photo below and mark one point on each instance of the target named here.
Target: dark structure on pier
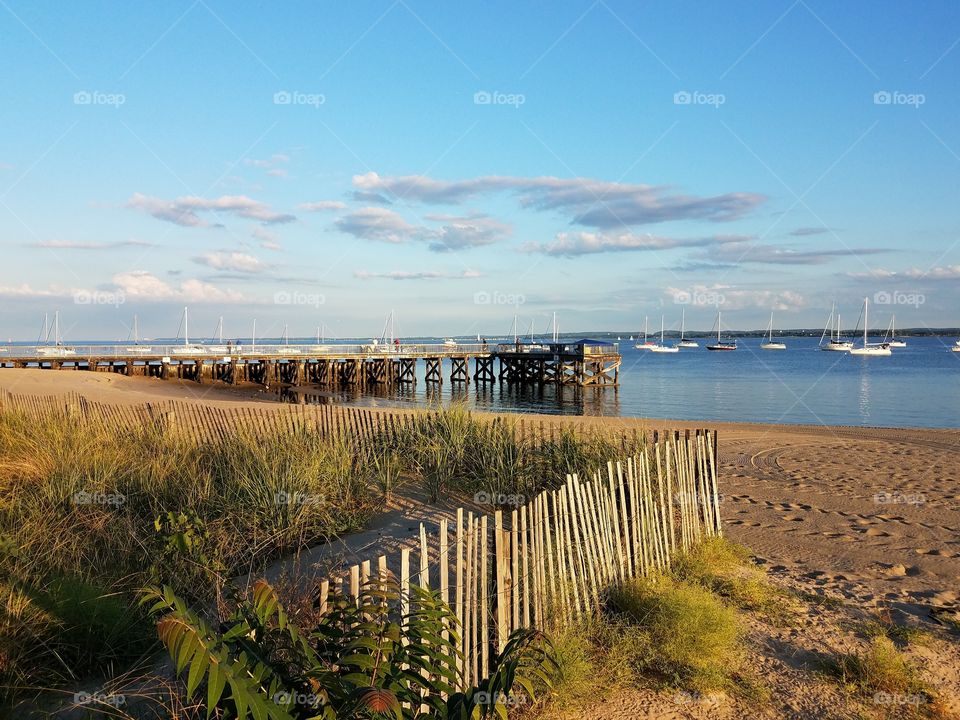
(582, 363)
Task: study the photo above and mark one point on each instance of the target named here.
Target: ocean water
(918, 386)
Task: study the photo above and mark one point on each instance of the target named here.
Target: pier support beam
(459, 370)
(434, 367)
(483, 370)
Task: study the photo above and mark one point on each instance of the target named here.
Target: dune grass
(89, 514)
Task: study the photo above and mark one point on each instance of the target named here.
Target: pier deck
(582, 362)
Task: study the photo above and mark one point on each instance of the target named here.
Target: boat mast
(683, 313)
(718, 327)
(645, 319)
(771, 326)
(661, 329)
(555, 326)
(186, 327)
(56, 327)
(865, 321)
(253, 336)
(136, 332)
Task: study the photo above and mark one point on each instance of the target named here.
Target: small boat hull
(721, 347)
(688, 344)
(837, 347)
(897, 343)
(664, 349)
(773, 346)
(870, 351)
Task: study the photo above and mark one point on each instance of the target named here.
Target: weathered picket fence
(541, 564)
(549, 562)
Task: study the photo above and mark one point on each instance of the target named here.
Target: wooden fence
(543, 563)
(550, 561)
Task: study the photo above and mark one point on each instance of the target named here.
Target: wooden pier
(581, 363)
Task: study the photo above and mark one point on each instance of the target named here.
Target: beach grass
(90, 513)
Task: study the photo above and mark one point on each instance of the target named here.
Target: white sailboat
(834, 343)
(187, 348)
(646, 344)
(218, 333)
(286, 349)
(137, 348)
(956, 347)
(721, 345)
(770, 344)
(868, 348)
(663, 348)
(684, 343)
(892, 331)
(58, 349)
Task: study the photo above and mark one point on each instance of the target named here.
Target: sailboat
(286, 349)
(137, 348)
(646, 344)
(770, 344)
(956, 347)
(662, 348)
(57, 349)
(187, 348)
(869, 349)
(218, 333)
(321, 337)
(720, 345)
(684, 343)
(892, 332)
(834, 343)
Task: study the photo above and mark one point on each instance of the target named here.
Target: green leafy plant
(387, 653)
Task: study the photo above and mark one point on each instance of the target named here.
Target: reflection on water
(917, 386)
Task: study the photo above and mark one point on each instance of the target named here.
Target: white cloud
(947, 272)
(232, 261)
(457, 232)
(144, 286)
(184, 210)
(416, 275)
(573, 244)
(595, 203)
(322, 205)
(729, 297)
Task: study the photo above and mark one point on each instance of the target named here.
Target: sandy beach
(867, 516)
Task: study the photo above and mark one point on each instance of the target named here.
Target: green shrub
(690, 636)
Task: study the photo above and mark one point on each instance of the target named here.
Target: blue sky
(312, 163)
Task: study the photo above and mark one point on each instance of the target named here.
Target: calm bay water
(918, 386)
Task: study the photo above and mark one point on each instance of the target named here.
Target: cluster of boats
(721, 345)
(831, 339)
